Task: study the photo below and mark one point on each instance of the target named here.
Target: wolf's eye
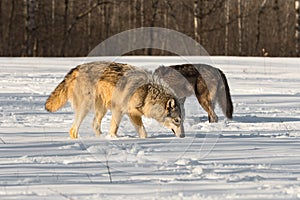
(176, 120)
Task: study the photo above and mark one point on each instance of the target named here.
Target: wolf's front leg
(80, 113)
(138, 124)
(114, 124)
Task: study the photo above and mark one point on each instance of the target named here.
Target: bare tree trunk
(142, 13)
(116, 17)
(52, 27)
(135, 14)
(143, 19)
(107, 21)
(279, 28)
(31, 27)
(10, 26)
(129, 12)
(25, 14)
(64, 43)
(67, 14)
(129, 26)
(172, 14)
(260, 12)
(286, 28)
(1, 30)
(297, 33)
(165, 15)
(165, 23)
(240, 17)
(196, 12)
(154, 7)
(89, 28)
(201, 10)
(227, 13)
(103, 22)
(247, 47)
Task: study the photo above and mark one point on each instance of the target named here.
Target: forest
(67, 28)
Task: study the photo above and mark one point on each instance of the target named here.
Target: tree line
(222, 27)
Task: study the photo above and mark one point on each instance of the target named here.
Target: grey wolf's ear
(181, 100)
(171, 104)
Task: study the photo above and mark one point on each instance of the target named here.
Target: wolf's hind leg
(138, 124)
(100, 111)
(208, 106)
(79, 116)
(97, 122)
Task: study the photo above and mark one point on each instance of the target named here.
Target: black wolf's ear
(161, 70)
(171, 104)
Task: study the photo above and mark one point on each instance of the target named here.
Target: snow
(254, 156)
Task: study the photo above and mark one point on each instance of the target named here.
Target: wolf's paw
(113, 136)
(73, 133)
(213, 119)
(143, 136)
(98, 133)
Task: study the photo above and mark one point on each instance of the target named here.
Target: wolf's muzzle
(179, 132)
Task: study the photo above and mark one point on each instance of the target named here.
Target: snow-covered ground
(254, 156)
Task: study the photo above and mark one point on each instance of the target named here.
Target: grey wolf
(92, 86)
(209, 84)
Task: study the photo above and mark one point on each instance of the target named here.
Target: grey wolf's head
(169, 115)
(174, 119)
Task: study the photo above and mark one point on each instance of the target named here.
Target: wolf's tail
(224, 98)
(61, 94)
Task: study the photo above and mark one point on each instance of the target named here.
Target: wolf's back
(61, 94)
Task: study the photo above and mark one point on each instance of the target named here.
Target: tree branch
(85, 13)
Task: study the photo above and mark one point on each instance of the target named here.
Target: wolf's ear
(161, 70)
(181, 100)
(171, 104)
